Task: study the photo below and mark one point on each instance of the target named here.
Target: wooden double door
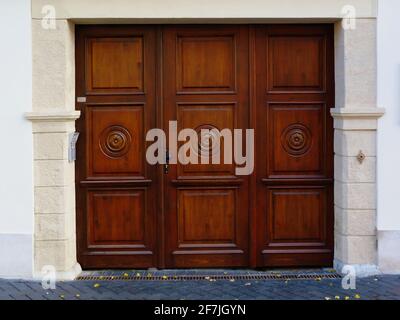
(275, 79)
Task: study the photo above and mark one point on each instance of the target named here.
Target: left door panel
(116, 188)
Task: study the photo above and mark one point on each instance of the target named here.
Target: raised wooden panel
(297, 228)
(116, 217)
(205, 63)
(207, 116)
(114, 65)
(296, 215)
(296, 63)
(206, 216)
(117, 140)
(296, 139)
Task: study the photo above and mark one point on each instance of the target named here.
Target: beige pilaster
(53, 119)
(355, 120)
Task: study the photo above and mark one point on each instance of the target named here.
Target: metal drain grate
(215, 277)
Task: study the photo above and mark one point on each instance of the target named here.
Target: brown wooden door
(294, 92)
(277, 79)
(116, 188)
(206, 86)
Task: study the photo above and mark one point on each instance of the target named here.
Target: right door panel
(294, 152)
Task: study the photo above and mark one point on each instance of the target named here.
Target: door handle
(166, 165)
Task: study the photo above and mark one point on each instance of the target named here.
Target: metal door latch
(166, 165)
(73, 138)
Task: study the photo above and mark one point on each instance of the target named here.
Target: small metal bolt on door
(166, 165)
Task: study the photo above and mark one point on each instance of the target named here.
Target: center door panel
(205, 86)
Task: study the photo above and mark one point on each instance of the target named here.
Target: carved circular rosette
(296, 139)
(115, 141)
(211, 142)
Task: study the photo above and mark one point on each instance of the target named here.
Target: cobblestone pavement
(372, 288)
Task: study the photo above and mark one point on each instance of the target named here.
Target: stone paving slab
(372, 288)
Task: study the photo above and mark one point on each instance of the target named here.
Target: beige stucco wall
(355, 113)
(204, 9)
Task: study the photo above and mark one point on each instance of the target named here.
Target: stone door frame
(355, 121)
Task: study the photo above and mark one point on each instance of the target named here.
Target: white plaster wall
(389, 125)
(389, 135)
(16, 172)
